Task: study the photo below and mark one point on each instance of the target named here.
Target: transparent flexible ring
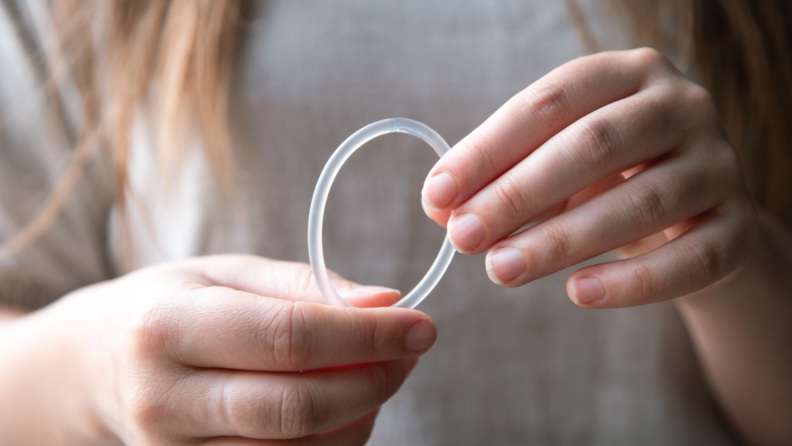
(319, 200)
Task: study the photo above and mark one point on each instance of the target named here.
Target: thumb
(292, 281)
(362, 296)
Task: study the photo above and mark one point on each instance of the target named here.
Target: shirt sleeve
(37, 142)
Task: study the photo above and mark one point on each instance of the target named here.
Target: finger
(439, 217)
(288, 405)
(362, 297)
(643, 245)
(658, 198)
(696, 259)
(616, 137)
(576, 200)
(354, 433)
(221, 327)
(534, 115)
(283, 280)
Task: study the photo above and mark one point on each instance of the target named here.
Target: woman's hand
(612, 150)
(216, 350)
(619, 150)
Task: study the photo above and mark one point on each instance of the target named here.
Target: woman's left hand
(613, 150)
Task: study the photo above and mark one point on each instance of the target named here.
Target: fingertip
(440, 191)
(490, 273)
(585, 290)
(420, 336)
(426, 204)
(466, 232)
(570, 290)
(371, 296)
(505, 265)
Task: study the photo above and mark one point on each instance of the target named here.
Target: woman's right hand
(215, 350)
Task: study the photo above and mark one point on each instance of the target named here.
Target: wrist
(83, 322)
(740, 328)
(41, 381)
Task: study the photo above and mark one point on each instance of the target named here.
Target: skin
(231, 350)
(616, 150)
(620, 151)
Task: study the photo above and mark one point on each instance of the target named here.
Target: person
(112, 332)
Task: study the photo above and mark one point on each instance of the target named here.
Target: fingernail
(420, 336)
(364, 296)
(368, 289)
(466, 231)
(363, 291)
(426, 205)
(505, 265)
(587, 290)
(440, 191)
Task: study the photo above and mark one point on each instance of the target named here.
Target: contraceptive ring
(322, 191)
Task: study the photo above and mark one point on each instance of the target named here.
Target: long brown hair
(739, 49)
(186, 46)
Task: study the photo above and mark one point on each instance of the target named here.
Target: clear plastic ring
(319, 200)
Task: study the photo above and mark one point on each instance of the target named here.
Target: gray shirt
(511, 366)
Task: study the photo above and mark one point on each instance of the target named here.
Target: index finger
(280, 279)
(220, 327)
(531, 118)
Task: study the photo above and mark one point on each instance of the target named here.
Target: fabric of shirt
(511, 366)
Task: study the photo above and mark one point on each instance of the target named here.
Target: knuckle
(483, 148)
(706, 260)
(510, 196)
(385, 384)
(290, 343)
(297, 412)
(725, 159)
(651, 58)
(560, 242)
(370, 341)
(724, 178)
(730, 162)
(699, 102)
(697, 96)
(231, 409)
(662, 108)
(388, 380)
(644, 284)
(600, 139)
(549, 102)
(648, 206)
(153, 330)
(240, 413)
(304, 280)
(146, 405)
(253, 417)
